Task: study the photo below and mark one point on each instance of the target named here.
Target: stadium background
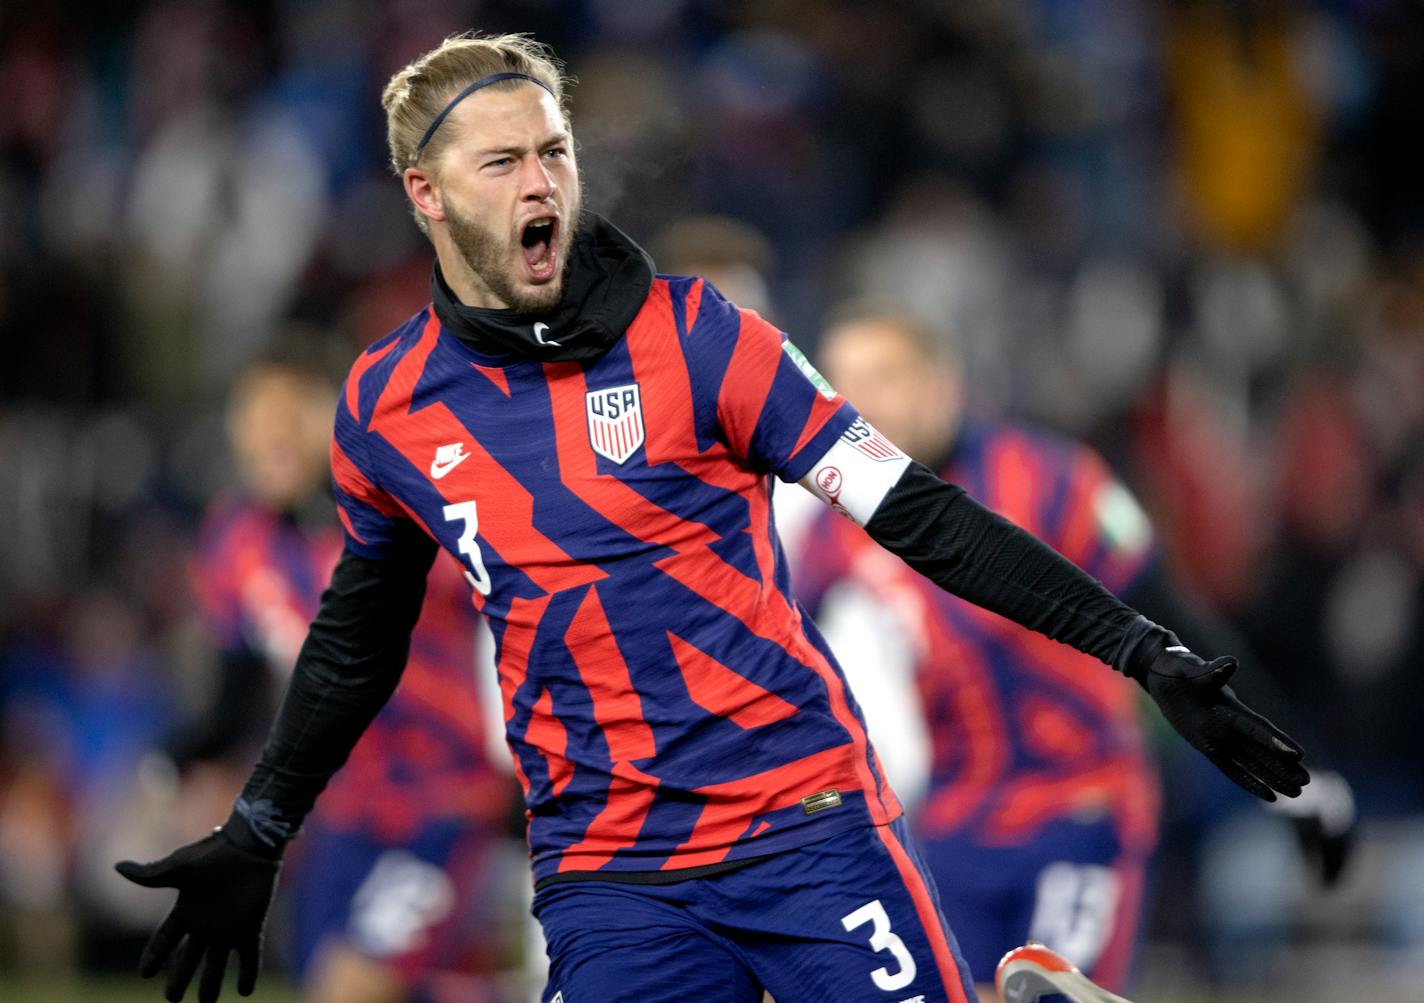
(1190, 233)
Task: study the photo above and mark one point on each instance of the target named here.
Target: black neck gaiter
(606, 283)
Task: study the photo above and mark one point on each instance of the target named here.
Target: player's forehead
(862, 340)
(268, 388)
(507, 118)
(264, 395)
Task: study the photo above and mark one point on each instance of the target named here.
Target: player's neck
(468, 288)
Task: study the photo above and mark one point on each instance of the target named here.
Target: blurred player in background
(389, 898)
(729, 253)
(1028, 778)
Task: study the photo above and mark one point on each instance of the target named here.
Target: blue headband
(493, 78)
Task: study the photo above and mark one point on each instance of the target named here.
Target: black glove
(1325, 822)
(1196, 701)
(225, 884)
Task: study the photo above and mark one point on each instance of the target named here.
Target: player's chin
(533, 297)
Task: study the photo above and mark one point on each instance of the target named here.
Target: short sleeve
(771, 405)
(371, 519)
(1100, 526)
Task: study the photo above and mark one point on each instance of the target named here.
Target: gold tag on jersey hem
(820, 801)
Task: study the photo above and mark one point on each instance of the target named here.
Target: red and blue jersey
(259, 577)
(666, 702)
(1023, 730)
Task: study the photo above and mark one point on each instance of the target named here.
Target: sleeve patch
(809, 371)
(1124, 525)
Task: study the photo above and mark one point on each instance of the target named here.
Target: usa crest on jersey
(615, 421)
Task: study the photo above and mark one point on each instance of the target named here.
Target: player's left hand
(1196, 701)
(223, 894)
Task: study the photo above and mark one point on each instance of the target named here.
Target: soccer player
(706, 817)
(389, 900)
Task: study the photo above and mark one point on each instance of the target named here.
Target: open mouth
(538, 242)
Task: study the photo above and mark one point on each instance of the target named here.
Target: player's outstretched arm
(348, 667)
(967, 550)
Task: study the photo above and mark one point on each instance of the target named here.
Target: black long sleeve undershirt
(348, 667)
(977, 555)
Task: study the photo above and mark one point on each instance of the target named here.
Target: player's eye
(556, 152)
(500, 162)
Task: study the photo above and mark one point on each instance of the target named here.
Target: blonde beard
(485, 255)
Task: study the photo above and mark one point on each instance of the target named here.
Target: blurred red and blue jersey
(666, 703)
(259, 577)
(1023, 730)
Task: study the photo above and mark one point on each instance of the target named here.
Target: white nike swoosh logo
(439, 470)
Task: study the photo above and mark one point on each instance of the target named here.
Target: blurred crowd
(1189, 233)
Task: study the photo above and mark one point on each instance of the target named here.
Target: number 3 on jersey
(881, 939)
(468, 545)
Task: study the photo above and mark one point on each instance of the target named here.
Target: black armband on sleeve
(979, 556)
(349, 665)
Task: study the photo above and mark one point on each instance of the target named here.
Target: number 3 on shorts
(881, 939)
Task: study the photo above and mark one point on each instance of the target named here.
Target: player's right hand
(223, 894)
(1196, 701)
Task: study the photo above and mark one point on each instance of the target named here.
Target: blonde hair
(420, 90)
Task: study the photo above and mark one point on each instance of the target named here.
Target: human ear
(423, 193)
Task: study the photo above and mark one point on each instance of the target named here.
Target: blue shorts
(419, 906)
(1071, 887)
(853, 917)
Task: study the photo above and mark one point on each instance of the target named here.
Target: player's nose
(535, 181)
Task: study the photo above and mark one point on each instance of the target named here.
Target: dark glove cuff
(253, 832)
(1141, 644)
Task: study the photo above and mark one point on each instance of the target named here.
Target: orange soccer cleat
(1032, 972)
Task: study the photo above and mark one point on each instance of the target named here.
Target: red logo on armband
(828, 479)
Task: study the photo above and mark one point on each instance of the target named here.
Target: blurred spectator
(79, 709)
(1248, 125)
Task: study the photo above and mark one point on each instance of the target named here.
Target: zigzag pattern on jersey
(665, 703)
